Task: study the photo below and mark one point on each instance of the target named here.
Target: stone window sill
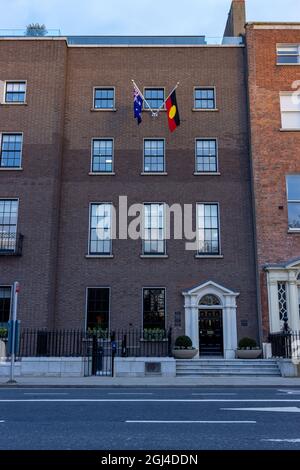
(209, 256)
(99, 256)
(155, 256)
(154, 173)
(96, 110)
(11, 169)
(289, 130)
(14, 104)
(295, 231)
(102, 173)
(205, 110)
(207, 173)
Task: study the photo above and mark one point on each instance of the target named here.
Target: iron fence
(76, 343)
(286, 344)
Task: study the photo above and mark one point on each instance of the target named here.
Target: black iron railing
(11, 244)
(285, 344)
(76, 343)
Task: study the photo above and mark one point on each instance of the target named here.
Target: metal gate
(99, 356)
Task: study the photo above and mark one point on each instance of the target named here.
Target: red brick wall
(43, 64)
(274, 154)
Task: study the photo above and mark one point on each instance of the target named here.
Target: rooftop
(125, 40)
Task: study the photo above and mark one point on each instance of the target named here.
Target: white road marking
(293, 409)
(290, 392)
(282, 440)
(149, 400)
(206, 394)
(189, 422)
(127, 393)
(42, 393)
(2, 421)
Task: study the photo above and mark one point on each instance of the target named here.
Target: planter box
(248, 353)
(184, 353)
(2, 348)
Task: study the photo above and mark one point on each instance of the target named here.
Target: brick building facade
(274, 78)
(82, 149)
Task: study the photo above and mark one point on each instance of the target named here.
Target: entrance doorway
(210, 332)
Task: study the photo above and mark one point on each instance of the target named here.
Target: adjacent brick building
(82, 149)
(273, 51)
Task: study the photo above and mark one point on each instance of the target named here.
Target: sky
(134, 17)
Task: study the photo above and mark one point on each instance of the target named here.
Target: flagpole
(152, 111)
(175, 87)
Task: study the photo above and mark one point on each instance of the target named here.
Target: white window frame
(154, 88)
(154, 287)
(291, 201)
(19, 103)
(18, 206)
(106, 87)
(203, 87)
(100, 255)
(282, 94)
(4, 168)
(196, 172)
(296, 45)
(113, 157)
(158, 255)
(205, 254)
(165, 164)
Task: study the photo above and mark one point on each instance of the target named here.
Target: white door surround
(227, 298)
(283, 283)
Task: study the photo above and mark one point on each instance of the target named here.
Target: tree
(36, 29)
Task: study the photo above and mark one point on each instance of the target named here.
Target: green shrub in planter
(183, 342)
(247, 343)
(3, 333)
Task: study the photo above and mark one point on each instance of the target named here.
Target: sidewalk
(99, 382)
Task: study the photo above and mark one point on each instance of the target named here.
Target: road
(150, 418)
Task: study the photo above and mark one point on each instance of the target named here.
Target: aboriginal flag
(172, 110)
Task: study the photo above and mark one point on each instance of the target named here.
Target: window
(282, 301)
(97, 308)
(288, 54)
(15, 92)
(100, 229)
(290, 111)
(210, 300)
(293, 195)
(5, 303)
(208, 229)
(155, 97)
(154, 239)
(206, 156)
(154, 156)
(11, 150)
(102, 156)
(8, 224)
(154, 306)
(104, 98)
(204, 98)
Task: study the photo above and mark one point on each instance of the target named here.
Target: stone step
(228, 374)
(222, 367)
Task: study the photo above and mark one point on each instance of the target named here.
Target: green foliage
(99, 332)
(3, 333)
(247, 343)
(154, 334)
(36, 29)
(183, 342)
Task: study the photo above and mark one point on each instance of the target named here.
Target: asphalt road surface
(150, 418)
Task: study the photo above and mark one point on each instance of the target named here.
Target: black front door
(210, 333)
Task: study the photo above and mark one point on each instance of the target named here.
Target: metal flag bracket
(154, 112)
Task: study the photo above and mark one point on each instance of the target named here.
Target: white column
(192, 320)
(274, 319)
(229, 326)
(293, 303)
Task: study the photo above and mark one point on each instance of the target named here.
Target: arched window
(210, 300)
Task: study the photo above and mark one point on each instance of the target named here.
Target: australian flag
(137, 105)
